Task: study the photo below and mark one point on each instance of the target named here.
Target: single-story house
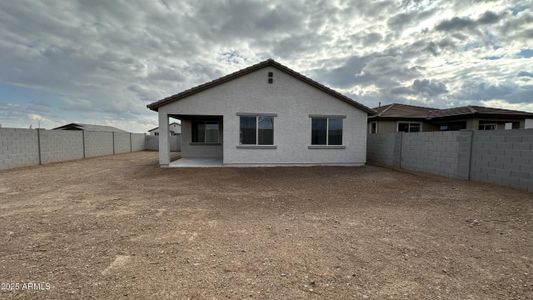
(88, 127)
(408, 118)
(265, 115)
(174, 128)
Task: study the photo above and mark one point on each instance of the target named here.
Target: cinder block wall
(138, 141)
(152, 142)
(98, 143)
(26, 147)
(384, 149)
(60, 145)
(122, 142)
(18, 148)
(432, 152)
(503, 157)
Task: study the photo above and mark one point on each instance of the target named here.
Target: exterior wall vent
(270, 77)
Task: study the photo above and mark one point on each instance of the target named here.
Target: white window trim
(256, 145)
(409, 122)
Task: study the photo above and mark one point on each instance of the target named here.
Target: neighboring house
(88, 127)
(173, 128)
(266, 114)
(407, 118)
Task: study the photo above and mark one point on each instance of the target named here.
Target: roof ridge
(390, 105)
(417, 106)
(472, 109)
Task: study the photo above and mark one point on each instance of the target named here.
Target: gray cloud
(105, 60)
(510, 91)
(402, 20)
(466, 23)
(525, 74)
(425, 88)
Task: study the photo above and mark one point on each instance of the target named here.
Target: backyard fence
(503, 157)
(152, 142)
(28, 147)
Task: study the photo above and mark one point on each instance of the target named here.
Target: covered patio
(201, 141)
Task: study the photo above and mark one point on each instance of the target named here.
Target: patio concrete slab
(196, 163)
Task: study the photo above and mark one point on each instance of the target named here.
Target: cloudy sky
(99, 61)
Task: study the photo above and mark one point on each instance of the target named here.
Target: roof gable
(267, 63)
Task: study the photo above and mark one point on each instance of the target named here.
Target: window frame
(218, 142)
(327, 145)
(257, 145)
(376, 127)
(409, 126)
(487, 124)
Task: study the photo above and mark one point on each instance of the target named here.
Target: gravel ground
(121, 227)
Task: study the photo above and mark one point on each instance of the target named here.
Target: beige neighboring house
(173, 128)
(265, 115)
(408, 118)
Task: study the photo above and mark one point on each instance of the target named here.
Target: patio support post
(164, 146)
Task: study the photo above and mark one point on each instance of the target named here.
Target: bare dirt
(121, 227)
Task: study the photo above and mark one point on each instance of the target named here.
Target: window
(452, 126)
(487, 126)
(205, 132)
(512, 125)
(256, 130)
(373, 127)
(408, 127)
(326, 131)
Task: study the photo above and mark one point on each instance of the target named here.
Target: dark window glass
(198, 132)
(318, 131)
(265, 132)
(335, 132)
(414, 127)
(211, 132)
(453, 126)
(373, 127)
(205, 132)
(487, 127)
(248, 131)
(403, 127)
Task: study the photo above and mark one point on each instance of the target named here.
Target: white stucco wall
(293, 101)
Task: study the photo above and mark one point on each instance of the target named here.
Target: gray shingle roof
(398, 110)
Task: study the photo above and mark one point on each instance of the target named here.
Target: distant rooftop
(173, 123)
(88, 127)
(398, 110)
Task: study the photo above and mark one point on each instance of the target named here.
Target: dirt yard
(121, 227)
